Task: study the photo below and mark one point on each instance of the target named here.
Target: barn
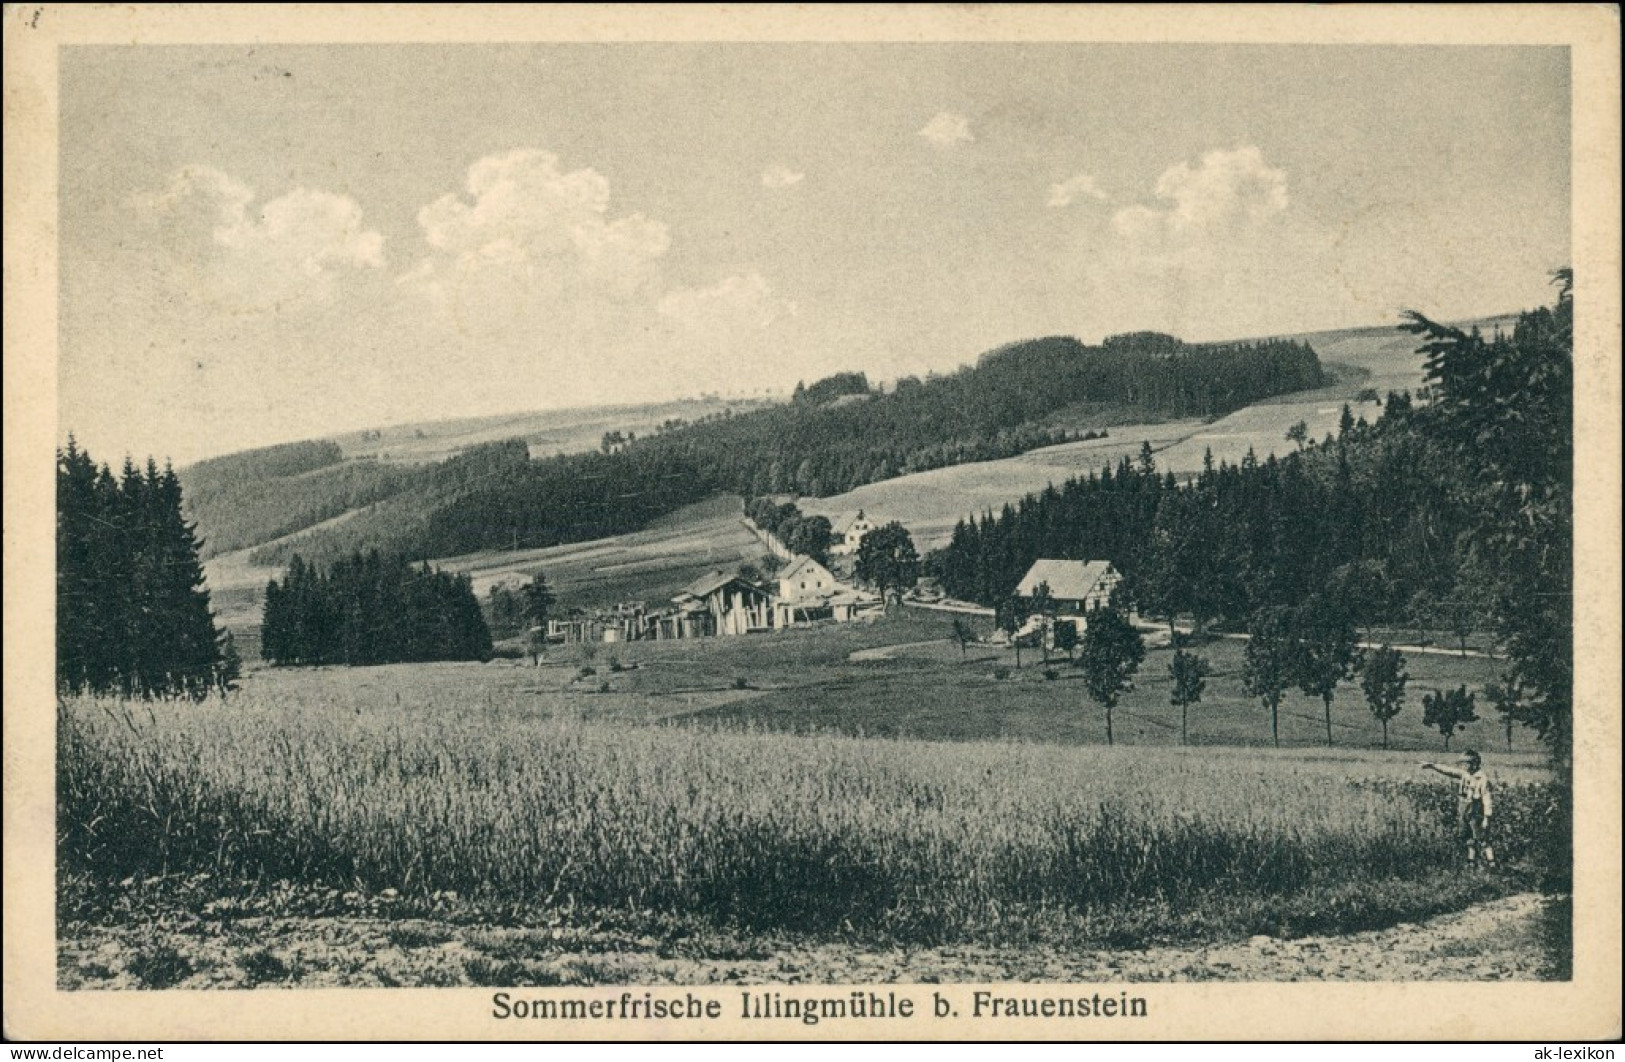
(718, 603)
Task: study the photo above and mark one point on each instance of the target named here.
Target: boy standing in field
(1473, 804)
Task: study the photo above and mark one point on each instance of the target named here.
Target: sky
(261, 244)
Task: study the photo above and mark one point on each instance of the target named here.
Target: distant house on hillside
(847, 531)
(1075, 586)
(717, 603)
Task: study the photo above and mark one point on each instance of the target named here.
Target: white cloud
(948, 129)
(1215, 248)
(314, 229)
(1226, 189)
(779, 175)
(524, 210)
(306, 229)
(1067, 192)
(738, 300)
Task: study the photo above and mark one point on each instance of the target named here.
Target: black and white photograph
(798, 534)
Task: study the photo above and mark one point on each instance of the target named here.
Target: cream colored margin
(1588, 1007)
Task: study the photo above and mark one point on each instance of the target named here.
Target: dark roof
(706, 585)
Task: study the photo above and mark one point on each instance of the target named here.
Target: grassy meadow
(777, 810)
(821, 835)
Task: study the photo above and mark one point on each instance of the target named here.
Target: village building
(847, 531)
(805, 578)
(1075, 587)
(715, 604)
(805, 589)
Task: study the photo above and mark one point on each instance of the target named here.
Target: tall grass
(823, 834)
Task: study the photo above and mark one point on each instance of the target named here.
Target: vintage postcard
(730, 522)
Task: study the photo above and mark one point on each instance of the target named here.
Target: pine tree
(133, 612)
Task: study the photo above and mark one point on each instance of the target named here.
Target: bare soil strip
(1505, 939)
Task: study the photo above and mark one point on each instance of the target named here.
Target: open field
(930, 503)
(546, 432)
(650, 565)
(525, 817)
(931, 692)
(447, 824)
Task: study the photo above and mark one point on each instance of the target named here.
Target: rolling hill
(672, 549)
(833, 436)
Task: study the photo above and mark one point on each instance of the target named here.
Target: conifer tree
(133, 613)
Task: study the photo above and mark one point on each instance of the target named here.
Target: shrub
(1050, 674)
(741, 683)
(1001, 672)
(158, 965)
(586, 671)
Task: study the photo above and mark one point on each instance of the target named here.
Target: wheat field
(823, 834)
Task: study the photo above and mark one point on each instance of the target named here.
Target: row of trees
(1461, 508)
(1286, 648)
(132, 611)
(810, 536)
(371, 609)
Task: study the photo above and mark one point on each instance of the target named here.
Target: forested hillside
(247, 498)
(495, 497)
(1456, 510)
(1004, 405)
(834, 435)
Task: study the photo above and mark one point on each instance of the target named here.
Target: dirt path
(889, 652)
(1504, 939)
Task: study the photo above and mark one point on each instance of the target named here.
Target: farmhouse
(1075, 586)
(805, 578)
(847, 531)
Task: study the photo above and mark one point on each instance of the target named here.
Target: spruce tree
(133, 612)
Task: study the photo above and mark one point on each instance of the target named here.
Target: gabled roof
(803, 565)
(1068, 580)
(707, 585)
(843, 523)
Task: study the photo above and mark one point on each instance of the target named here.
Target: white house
(847, 531)
(804, 580)
(1075, 586)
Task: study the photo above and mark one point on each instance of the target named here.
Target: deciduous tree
(1109, 654)
(1383, 679)
(1187, 673)
(1267, 668)
(1449, 712)
(887, 559)
(1323, 651)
